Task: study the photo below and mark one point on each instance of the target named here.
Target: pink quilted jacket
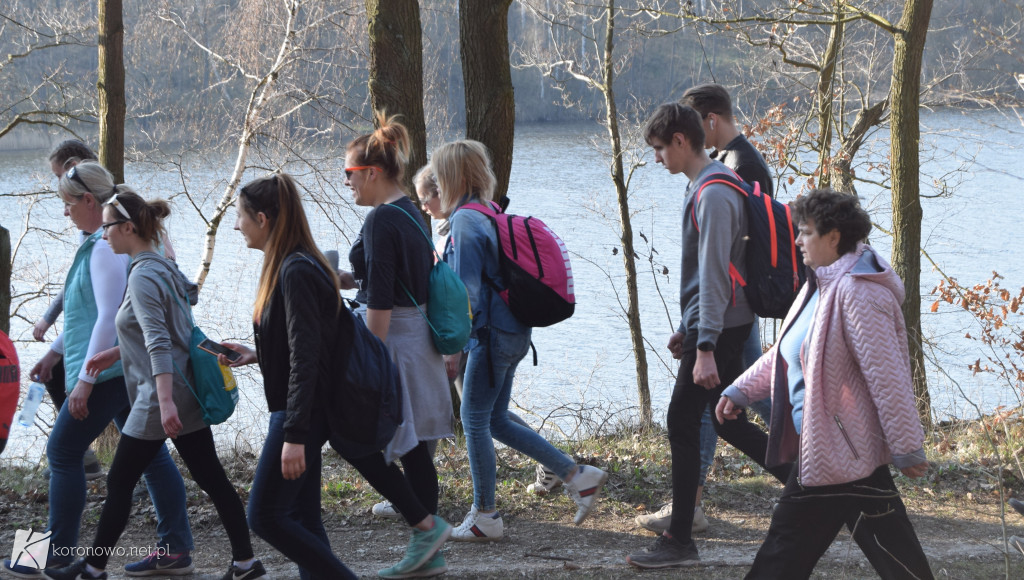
(859, 408)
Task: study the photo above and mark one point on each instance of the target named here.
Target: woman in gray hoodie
(153, 331)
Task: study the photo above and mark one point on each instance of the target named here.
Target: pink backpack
(535, 266)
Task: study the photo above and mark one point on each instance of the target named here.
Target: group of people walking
(838, 380)
(126, 340)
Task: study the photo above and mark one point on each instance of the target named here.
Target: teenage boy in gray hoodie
(716, 322)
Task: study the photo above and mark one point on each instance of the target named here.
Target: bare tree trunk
(490, 105)
(396, 70)
(111, 87)
(636, 334)
(911, 32)
(842, 163)
(825, 91)
(5, 280)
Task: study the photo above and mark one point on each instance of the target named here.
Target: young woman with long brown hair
(299, 326)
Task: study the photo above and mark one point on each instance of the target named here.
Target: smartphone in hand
(215, 349)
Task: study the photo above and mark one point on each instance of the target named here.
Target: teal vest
(80, 316)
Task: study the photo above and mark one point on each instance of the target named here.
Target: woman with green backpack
(93, 290)
(391, 261)
(153, 332)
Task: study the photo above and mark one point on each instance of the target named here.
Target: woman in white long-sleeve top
(842, 402)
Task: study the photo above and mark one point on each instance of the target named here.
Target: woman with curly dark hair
(842, 402)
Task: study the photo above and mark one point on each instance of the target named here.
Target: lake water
(586, 378)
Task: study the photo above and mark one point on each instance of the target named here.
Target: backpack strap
(303, 255)
(188, 313)
(174, 293)
(491, 210)
(296, 255)
(732, 180)
(430, 242)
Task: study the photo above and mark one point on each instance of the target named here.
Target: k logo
(30, 549)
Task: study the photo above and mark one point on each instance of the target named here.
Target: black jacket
(299, 337)
(740, 156)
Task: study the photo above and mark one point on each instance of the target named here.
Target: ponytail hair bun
(386, 148)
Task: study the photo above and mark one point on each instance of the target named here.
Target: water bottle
(31, 404)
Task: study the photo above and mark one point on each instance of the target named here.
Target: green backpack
(213, 385)
(449, 314)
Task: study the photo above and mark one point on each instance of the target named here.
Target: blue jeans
(65, 449)
(286, 513)
(752, 348)
(490, 372)
(763, 408)
(708, 443)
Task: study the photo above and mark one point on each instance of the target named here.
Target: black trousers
(807, 520)
(133, 456)
(684, 414)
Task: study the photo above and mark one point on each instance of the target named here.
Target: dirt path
(961, 537)
(956, 512)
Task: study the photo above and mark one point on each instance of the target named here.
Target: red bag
(10, 384)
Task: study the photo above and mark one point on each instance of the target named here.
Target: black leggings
(200, 455)
(413, 494)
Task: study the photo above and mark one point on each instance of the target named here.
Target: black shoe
(1017, 505)
(255, 571)
(665, 553)
(75, 571)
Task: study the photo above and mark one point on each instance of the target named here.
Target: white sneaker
(384, 509)
(585, 490)
(546, 482)
(700, 523)
(659, 521)
(478, 527)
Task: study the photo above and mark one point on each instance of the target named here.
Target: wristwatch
(706, 346)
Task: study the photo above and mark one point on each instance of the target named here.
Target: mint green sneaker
(434, 567)
(422, 547)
